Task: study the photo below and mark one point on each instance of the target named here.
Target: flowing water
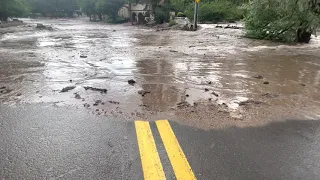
(174, 66)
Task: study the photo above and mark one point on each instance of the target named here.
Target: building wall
(135, 8)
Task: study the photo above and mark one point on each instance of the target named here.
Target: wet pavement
(46, 142)
(210, 73)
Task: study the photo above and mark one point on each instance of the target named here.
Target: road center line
(177, 158)
(151, 164)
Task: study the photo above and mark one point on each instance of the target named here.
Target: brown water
(170, 64)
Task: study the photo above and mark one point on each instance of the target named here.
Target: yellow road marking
(177, 158)
(151, 164)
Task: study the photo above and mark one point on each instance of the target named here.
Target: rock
(173, 51)
(215, 94)
(70, 80)
(206, 89)
(83, 56)
(86, 105)
(266, 82)
(41, 26)
(187, 95)
(114, 102)
(3, 87)
(218, 26)
(114, 30)
(258, 76)
(210, 99)
(268, 95)
(191, 46)
(37, 91)
(143, 92)
(66, 89)
(77, 96)
(209, 82)
(101, 90)
(131, 82)
(302, 84)
(19, 94)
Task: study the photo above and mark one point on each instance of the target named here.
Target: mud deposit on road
(212, 77)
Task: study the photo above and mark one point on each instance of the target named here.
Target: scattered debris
(41, 26)
(3, 87)
(209, 82)
(19, 94)
(258, 76)
(210, 99)
(114, 102)
(77, 96)
(68, 88)
(114, 30)
(131, 82)
(302, 84)
(143, 92)
(266, 82)
(97, 102)
(183, 104)
(37, 91)
(97, 109)
(83, 56)
(86, 105)
(268, 95)
(243, 103)
(215, 94)
(206, 89)
(96, 89)
(110, 144)
(173, 51)
(191, 46)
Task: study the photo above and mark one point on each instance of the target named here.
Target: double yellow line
(151, 164)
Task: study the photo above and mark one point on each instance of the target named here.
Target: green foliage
(281, 20)
(162, 14)
(12, 8)
(216, 11)
(180, 14)
(109, 8)
(57, 8)
(172, 23)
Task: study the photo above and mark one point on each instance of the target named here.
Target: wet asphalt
(46, 142)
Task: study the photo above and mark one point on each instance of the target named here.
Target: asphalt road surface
(46, 142)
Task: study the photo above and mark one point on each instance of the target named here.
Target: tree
(110, 8)
(12, 8)
(282, 20)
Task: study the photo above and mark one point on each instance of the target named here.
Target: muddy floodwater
(208, 78)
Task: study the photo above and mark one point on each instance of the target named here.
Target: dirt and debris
(131, 82)
(114, 102)
(206, 89)
(77, 96)
(68, 88)
(266, 82)
(83, 56)
(269, 95)
(173, 51)
(97, 102)
(215, 94)
(302, 84)
(143, 92)
(258, 76)
(183, 104)
(248, 102)
(19, 94)
(101, 90)
(86, 105)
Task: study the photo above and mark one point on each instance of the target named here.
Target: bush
(217, 11)
(172, 22)
(285, 21)
(162, 15)
(180, 14)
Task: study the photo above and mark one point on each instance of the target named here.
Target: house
(138, 12)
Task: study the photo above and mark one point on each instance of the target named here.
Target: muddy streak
(174, 66)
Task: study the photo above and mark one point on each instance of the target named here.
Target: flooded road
(209, 78)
